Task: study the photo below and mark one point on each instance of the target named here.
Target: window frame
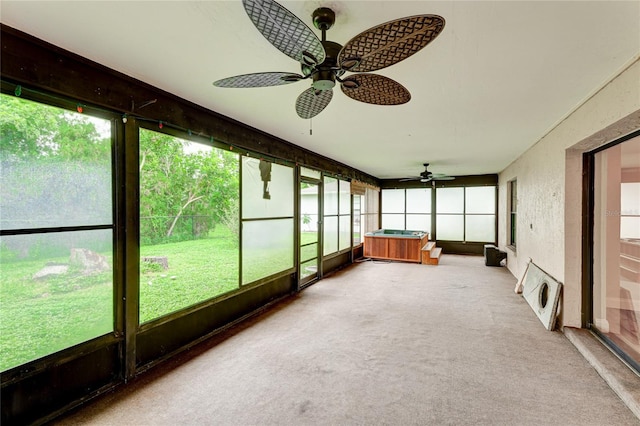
(512, 216)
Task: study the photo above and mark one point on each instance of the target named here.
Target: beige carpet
(378, 343)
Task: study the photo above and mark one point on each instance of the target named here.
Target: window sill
(512, 248)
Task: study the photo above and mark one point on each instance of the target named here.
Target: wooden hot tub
(392, 244)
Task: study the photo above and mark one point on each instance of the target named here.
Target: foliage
(175, 182)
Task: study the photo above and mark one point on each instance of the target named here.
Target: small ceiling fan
(325, 62)
(427, 176)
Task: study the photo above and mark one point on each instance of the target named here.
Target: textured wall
(549, 179)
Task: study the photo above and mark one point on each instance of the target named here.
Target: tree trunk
(175, 219)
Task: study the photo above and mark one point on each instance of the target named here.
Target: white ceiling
(500, 75)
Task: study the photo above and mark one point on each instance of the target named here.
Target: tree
(178, 181)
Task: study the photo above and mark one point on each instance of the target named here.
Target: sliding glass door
(615, 301)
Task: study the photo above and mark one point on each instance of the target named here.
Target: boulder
(51, 270)
(89, 262)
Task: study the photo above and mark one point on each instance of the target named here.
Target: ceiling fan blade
(389, 43)
(408, 179)
(375, 89)
(442, 178)
(311, 102)
(259, 79)
(285, 31)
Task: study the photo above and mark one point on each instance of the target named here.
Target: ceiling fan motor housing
(325, 76)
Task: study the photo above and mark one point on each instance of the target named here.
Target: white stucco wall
(549, 184)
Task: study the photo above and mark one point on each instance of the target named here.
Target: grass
(42, 316)
(198, 270)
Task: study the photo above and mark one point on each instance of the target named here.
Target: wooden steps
(431, 253)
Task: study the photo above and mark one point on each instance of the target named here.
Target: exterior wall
(549, 184)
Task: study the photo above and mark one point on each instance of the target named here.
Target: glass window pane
(314, 174)
(188, 204)
(345, 232)
(630, 227)
(419, 222)
(267, 189)
(330, 235)
(308, 268)
(357, 219)
(630, 198)
(480, 199)
(449, 200)
(56, 170)
(450, 227)
(392, 221)
(267, 248)
(345, 197)
(56, 291)
(480, 228)
(418, 201)
(308, 251)
(393, 201)
(330, 196)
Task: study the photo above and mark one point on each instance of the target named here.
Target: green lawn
(42, 316)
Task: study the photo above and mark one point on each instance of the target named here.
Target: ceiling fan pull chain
(311, 126)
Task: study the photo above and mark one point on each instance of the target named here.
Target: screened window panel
(173, 171)
(392, 221)
(418, 201)
(393, 201)
(419, 222)
(273, 200)
(449, 200)
(308, 252)
(450, 227)
(48, 189)
(267, 248)
(345, 197)
(480, 199)
(480, 228)
(344, 238)
(330, 235)
(330, 196)
(56, 291)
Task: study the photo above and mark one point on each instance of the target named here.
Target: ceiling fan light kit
(325, 62)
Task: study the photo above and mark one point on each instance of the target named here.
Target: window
(357, 219)
(513, 211)
(466, 214)
(56, 244)
(408, 209)
(450, 214)
(267, 219)
(370, 210)
(479, 211)
(337, 215)
(188, 204)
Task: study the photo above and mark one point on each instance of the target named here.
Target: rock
(160, 260)
(51, 270)
(88, 261)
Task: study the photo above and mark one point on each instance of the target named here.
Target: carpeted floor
(377, 344)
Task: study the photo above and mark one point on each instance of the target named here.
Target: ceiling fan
(325, 62)
(427, 176)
